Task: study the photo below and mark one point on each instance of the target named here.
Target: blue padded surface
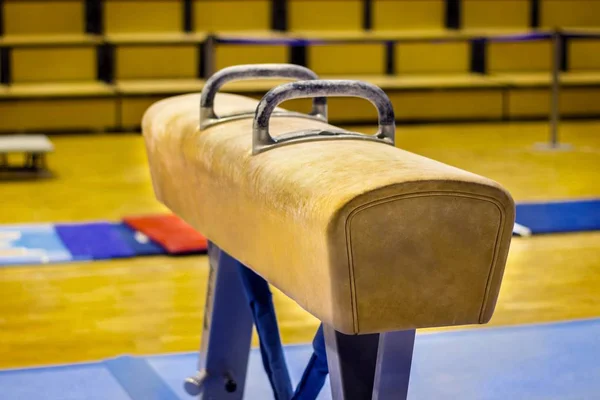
(175, 368)
(564, 216)
(95, 241)
(554, 361)
(139, 380)
(171, 367)
(139, 243)
(31, 244)
(72, 382)
(550, 362)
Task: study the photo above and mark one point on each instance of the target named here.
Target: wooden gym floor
(86, 311)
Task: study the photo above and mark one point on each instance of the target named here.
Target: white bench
(35, 148)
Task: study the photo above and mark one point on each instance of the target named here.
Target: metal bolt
(230, 386)
(193, 384)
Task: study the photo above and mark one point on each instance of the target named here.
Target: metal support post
(365, 367)
(209, 56)
(555, 102)
(227, 333)
(394, 359)
(352, 360)
(557, 55)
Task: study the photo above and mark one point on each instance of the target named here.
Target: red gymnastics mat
(170, 232)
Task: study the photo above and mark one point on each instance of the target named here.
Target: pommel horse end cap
(365, 236)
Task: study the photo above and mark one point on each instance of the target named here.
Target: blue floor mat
(139, 243)
(92, 381)
(48, 243)
(563, 216)
(94, 241)
(547, 361)
(31, 244)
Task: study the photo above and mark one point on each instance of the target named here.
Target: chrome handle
(254, 71)
(262, 139)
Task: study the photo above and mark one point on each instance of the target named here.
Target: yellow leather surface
(365, 236)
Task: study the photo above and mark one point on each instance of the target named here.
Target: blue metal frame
(260, 300)
(394, 360)
(227, 334)
(352, 360)
(316, 371)
(374, 366)
(236, 298)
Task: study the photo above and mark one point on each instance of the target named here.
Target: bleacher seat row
(464, 60)
(115, 16)
(124, 57)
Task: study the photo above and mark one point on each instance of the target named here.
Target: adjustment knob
(193, 384)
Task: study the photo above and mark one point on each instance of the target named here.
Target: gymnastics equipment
(371, 239)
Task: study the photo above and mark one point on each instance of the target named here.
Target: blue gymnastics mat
(547, 361)
(560, 216)
(31, 244)
(94, 241)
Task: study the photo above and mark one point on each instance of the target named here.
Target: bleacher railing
(207, 44)
(557, 36)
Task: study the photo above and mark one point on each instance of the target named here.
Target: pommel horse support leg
(374, 241)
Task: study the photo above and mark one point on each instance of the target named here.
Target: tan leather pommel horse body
(365, 236)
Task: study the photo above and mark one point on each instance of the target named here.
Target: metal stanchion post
(555, 106)
(557, 55)
(209, 56)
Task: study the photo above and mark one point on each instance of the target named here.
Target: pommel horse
(374, 241)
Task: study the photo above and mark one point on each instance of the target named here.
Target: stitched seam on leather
(351, 273)
(494, 261)
(409, 196)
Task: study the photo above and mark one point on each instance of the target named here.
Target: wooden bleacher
(97, 65)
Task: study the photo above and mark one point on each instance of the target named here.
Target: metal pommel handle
(254, 71)
(262, 139)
